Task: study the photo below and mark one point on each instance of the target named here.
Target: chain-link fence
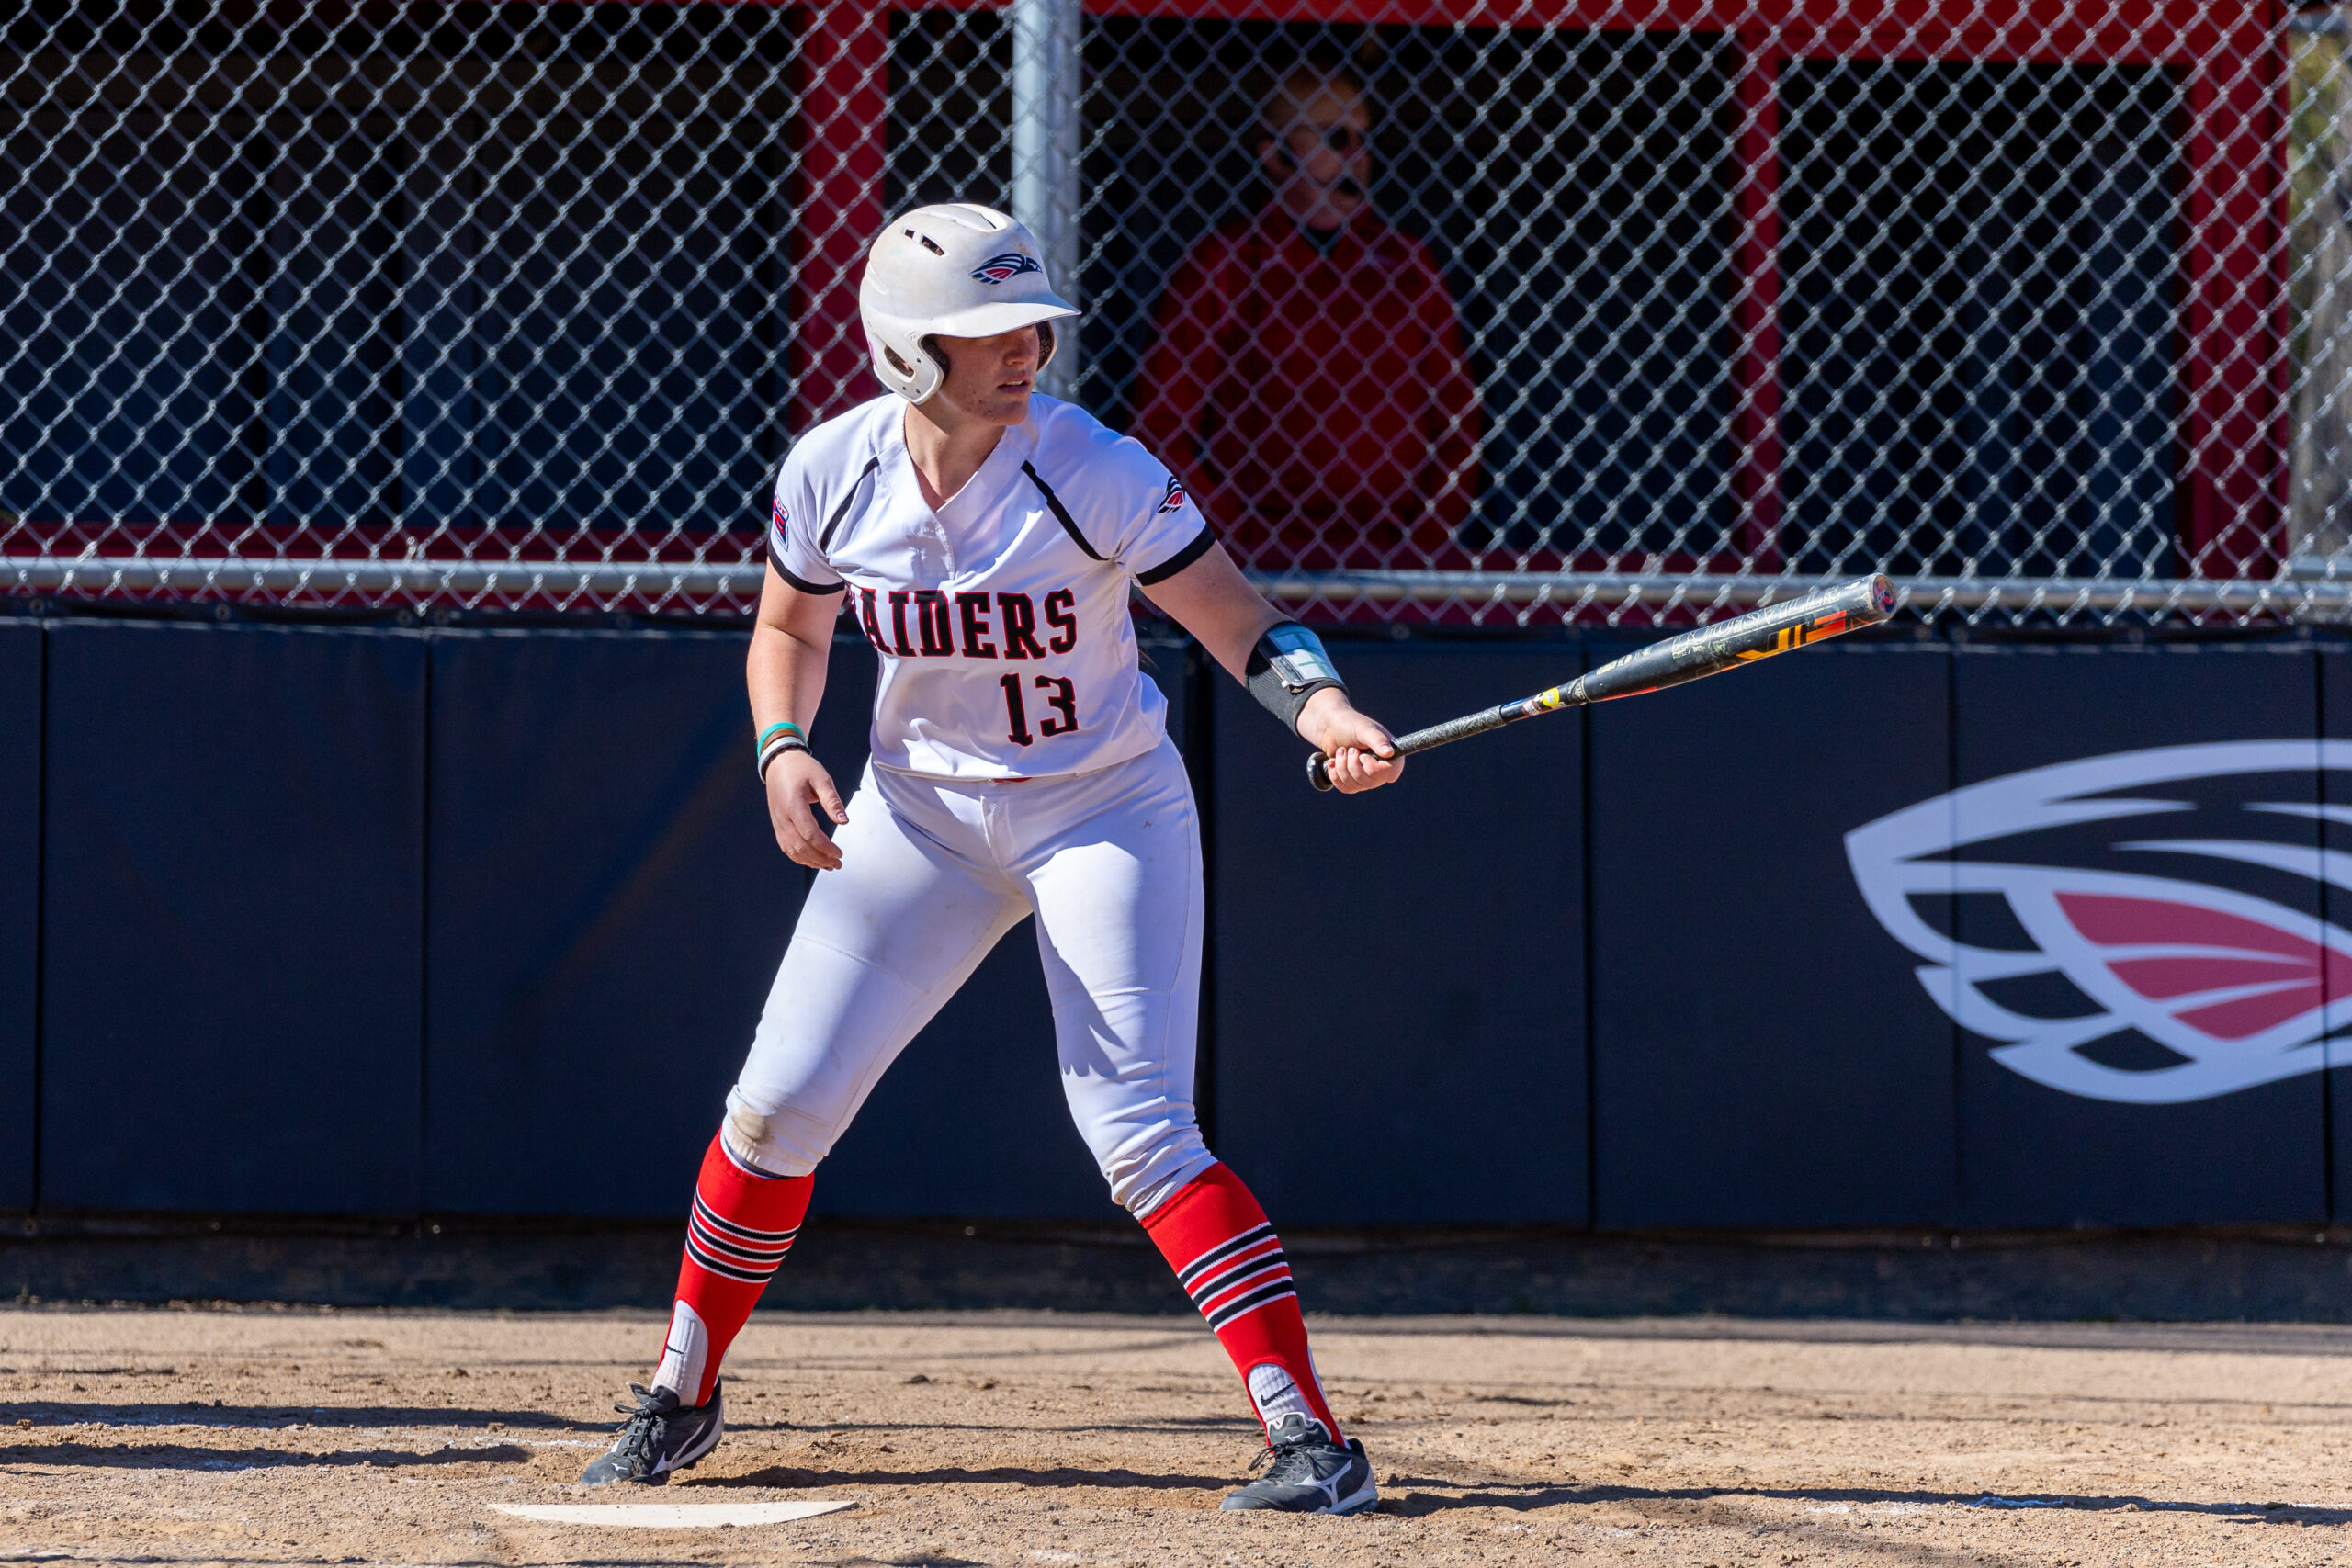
(1484, 309)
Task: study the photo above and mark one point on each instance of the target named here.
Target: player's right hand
(799, 784)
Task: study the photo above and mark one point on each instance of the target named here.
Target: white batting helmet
(958, 269)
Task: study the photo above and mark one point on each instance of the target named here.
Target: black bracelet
(776, 747)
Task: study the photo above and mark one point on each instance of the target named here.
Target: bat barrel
(1703, 651)
(1743, 640)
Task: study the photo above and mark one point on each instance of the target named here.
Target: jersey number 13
(1061, 698)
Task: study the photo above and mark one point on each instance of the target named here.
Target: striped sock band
(1228, 1260)
(1237, 1277)
(733, 1251)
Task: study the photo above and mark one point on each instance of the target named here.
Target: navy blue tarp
(1762, 1056)
(21, 725)
(1400, 977)
(232, 920)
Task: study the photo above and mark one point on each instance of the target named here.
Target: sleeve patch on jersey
(776, 517)
(1173, 499)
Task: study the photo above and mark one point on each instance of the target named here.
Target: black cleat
(658, 1438)
(1311, 1473)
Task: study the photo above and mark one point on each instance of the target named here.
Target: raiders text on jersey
(1000, 620)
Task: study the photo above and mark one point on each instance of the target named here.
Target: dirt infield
(178, 1437)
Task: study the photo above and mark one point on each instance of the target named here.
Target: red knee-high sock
(742, 1225)
(1228, 1260)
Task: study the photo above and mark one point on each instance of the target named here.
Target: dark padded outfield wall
(2334, 664)
(1400, 977)
(20, 653)
(1762, 1054)
(233, 919)
(607, 907)
(969, 1122)
(2141, 1081)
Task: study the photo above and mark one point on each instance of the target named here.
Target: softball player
(984, 539)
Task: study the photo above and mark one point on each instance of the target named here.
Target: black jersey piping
(1061, 513)
(798, 581)
(833, 523)
(775, 560)
(1180, 559)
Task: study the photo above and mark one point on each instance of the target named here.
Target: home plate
(671, 1515)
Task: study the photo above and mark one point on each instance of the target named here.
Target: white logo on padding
(2180, 989)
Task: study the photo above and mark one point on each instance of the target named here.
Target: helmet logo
(1012, 264)
(1173, 499)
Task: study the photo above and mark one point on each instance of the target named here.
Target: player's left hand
(796, 782)
(1360, 752)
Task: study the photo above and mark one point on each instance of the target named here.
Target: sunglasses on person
(1344, 139)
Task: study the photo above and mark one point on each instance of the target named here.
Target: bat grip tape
(1318, 772)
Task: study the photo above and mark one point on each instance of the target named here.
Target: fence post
(1046, 89)
(845, 141)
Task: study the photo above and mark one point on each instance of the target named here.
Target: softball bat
(1686, 655)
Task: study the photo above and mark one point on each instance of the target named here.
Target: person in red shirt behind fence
(1306, 380)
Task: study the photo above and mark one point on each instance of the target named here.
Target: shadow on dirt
(788, 1476)
(1411, 1504)
(51, 1413)
(247, 1558)
(173, 1455)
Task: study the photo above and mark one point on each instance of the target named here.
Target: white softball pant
(934, 871)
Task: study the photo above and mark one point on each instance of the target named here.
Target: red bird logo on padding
(2223, 976)
(2109, 957)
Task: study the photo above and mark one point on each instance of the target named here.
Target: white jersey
(1002, 620)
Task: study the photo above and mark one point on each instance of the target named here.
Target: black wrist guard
(1286, 667)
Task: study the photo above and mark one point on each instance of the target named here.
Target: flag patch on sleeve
(1175, 498)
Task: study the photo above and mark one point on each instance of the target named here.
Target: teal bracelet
(779, 728)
